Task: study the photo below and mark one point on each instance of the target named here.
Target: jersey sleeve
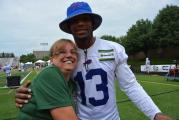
(50, 91)
(121, 56)
(135, 91)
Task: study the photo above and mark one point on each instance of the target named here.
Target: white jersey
(98, 67)
(7, 70)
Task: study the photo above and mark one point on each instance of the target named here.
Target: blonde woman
(52, 88)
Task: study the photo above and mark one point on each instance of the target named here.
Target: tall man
(100, 63)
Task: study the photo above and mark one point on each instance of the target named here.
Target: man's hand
(160, 116)
(23, 94)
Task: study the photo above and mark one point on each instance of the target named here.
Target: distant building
(8, 58)
(41, 54)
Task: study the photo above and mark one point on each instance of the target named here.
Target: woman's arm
(63, 113)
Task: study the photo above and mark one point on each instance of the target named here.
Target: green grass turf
(164, 93)
(8, 111)
(7, 104)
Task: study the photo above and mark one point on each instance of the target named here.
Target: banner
(157, 68)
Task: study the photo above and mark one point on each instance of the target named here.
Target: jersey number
(99, 87)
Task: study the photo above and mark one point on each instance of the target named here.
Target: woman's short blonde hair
(59, 45)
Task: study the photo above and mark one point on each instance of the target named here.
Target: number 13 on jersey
(102, 87)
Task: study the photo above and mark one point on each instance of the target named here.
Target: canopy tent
(48, 62)
(28, 63)
(40, 61)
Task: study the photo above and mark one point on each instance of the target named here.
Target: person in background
(52, 88)
(101, 62)
(7, 69)
(147, 65)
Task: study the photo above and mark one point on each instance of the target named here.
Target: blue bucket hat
(76, 9)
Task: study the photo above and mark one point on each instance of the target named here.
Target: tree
(166, 27)
(23, 59)
(139, 37)
(46, 58)
(3, 55)
(27, 58)
(31, 57)
(12, 55)
(123, 40)
(111, 38)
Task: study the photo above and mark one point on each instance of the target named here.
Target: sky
(27, 25)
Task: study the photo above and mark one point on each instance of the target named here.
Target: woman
(52, 88)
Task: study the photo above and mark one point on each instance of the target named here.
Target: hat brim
(97, 20)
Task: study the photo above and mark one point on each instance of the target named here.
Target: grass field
(164, 93)
(8, 110)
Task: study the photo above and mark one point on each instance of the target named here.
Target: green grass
(164, 93)
(8, 111)
(7, 104)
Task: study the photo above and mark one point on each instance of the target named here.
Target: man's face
(81, 26)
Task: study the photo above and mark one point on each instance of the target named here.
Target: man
(7, 69)
(100, 63)
(147, 65)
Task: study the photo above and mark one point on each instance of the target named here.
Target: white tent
(28, 63)
(40, 64)
(48, 62)
(40, 61)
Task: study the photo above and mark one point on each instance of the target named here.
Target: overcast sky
(25, 24)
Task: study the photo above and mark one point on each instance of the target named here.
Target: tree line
(145, 35)
(31, 58)
(6, 55)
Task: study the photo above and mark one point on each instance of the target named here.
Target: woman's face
(66, 58)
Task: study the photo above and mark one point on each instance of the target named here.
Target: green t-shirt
(49, 90)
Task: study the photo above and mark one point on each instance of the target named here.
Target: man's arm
(137, 94)
(23, 94)
(63, 113)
